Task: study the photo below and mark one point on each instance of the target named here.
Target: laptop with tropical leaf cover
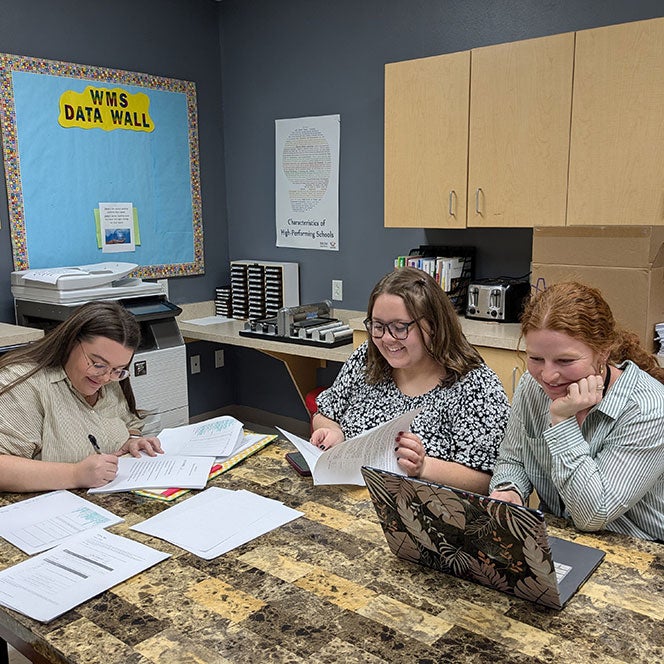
(497, 544)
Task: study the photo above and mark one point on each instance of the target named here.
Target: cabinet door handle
(478, 191)
(452, 208)
(514, 372)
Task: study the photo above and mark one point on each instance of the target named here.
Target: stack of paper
(42, 522)
(53, 582)
(190, 453)
(146, 472)
(217, 520)
(251, 443)
(218, 437)
(659, 337)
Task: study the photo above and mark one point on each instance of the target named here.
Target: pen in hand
(93, 442)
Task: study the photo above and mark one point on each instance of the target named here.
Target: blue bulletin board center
(75, 137)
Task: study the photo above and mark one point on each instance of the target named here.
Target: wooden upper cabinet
(617, 140)
(426, 141)
(520, 105)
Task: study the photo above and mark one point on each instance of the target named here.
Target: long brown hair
(425, 302)
(581, 312)
(94, 319)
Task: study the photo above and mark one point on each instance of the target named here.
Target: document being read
(53, 582)
(341, 464)
(158, 472)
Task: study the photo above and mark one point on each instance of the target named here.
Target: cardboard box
(625, 263)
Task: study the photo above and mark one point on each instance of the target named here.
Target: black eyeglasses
(397, 329)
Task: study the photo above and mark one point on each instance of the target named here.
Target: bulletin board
(81, 143)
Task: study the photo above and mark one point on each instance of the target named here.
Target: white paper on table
(217, 520)
(146, 472)
(40, 523)
(218, 437)
(342, 463)
(47, 585)
(247, 441)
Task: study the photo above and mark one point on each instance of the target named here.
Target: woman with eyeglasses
(417, 356)
(67, 410)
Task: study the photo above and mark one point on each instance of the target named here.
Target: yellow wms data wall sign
(107, 109)
(100, 161)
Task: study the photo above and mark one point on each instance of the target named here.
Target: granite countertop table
(326, 588)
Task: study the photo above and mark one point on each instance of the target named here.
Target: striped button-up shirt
(607, 473)
(45, 418)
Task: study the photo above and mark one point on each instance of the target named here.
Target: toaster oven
(497, 299)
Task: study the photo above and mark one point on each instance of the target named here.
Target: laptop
(497, 544)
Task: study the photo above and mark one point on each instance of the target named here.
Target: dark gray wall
(283, 59)
(173, 38)
(295, 58)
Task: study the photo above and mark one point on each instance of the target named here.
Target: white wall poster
(307, 182)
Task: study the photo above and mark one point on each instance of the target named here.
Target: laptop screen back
(497, 544)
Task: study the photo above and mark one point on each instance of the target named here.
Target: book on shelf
(445, 270)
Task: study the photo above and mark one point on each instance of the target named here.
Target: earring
(601, 370)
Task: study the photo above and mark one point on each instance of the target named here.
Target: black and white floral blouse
(463, 423)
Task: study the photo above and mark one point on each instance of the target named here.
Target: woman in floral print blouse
(417, 357)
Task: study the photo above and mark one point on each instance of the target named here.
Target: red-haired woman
(586, 429)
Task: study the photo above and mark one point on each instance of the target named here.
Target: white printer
(44, 298)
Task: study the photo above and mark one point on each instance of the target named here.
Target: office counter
(496, 342)
(325, 588)
(16, 335)
(300, 360)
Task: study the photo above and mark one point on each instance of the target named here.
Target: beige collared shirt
(45, 418)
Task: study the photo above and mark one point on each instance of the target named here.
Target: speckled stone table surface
(325, 588)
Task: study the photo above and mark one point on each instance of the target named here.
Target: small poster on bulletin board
(100, 161)
(307, 182)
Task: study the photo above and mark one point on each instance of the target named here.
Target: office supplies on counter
(260, 288)
(500, 299)
(217, 520)
(309, 324)
(497, 544)
(223, 301)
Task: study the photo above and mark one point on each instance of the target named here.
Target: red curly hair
(581, 312)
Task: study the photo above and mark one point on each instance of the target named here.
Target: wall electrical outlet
(195, 364)
(218, 359)
(337, 289)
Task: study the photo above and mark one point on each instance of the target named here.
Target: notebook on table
(497, 544)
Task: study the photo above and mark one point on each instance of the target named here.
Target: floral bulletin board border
(77, 135)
